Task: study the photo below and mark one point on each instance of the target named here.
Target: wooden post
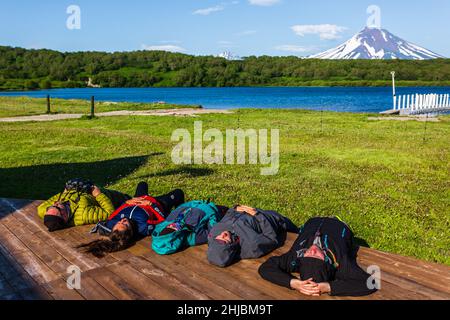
(393, 87)
(48, 104)
(92, 107)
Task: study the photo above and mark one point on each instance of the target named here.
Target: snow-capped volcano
(374, 43)
(228, 55)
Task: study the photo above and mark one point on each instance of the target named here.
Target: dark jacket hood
(223, 254)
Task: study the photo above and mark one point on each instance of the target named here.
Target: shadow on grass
(183, 170)
(43, 181)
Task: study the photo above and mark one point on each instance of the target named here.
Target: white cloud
(264, 3)
(208, 11)
(246, 33)
(294, 48)
(170, 48)
(170, 41)
(325, 31)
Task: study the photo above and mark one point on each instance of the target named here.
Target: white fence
(422, 103)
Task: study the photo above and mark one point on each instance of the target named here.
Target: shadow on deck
(33, 265)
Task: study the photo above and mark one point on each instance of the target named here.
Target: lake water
(344, 99)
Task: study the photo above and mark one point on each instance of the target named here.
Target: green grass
(25, 106)
(387, 179)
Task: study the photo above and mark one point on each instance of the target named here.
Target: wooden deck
(33, 265)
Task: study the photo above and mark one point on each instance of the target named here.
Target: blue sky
(244, 27)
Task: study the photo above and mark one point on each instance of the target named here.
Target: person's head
(313, 265)
(123, 236)
(57, 216)
(314, 252)
(223, 248)
(224, 237)
(122, 226)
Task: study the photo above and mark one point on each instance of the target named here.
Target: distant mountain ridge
(374, 43)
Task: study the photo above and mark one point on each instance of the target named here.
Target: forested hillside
(34, 69)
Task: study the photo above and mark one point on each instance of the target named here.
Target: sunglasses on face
(60, 210)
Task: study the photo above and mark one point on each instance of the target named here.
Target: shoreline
(399, 84)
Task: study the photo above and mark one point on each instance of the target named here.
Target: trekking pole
(48, 104)
(92, 107)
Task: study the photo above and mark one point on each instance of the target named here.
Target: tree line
(33, 69)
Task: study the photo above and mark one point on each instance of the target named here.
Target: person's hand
(324, 287)
(249, 210)
(96, 191)
(139, 202)
(133, 201)
(308, 287)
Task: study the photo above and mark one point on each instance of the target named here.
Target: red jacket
(149, 215)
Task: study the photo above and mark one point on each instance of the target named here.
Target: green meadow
(388, 179)
(25, 106)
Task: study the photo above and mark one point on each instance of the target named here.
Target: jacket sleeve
(351, 280)
(42, 209)
(264, 242)
(94, 211)
(201, 236)
(278, 269)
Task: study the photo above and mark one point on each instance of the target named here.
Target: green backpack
(186, 235)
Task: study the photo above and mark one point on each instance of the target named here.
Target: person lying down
(247, 233)
(186, 226)
(324, 255)
(134, 220)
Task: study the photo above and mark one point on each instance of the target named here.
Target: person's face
(122, 225)
(59, 210)
(314, 252)
(225, 237)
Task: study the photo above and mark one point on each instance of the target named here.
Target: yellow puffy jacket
(87, 209)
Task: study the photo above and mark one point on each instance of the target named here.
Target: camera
(80, 185)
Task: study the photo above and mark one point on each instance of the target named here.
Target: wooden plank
(189, 276)
(35, 293)
(59, 291)
(202, 268)
(5, 288)
(144, 284)
(16, 276)
(38, 270)
(35, 257)
(228, 278)
(415, 265)
(163, 278)
(39, 248)
(408, 270)
(115, 285)
(91, 289)
(28, 220)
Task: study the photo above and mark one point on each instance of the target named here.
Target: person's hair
(116, 241)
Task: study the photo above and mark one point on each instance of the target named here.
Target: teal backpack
(186, 236)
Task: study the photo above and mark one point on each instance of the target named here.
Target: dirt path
(168, 112)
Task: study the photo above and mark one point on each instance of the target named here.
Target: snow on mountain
(374, 43)
(229, 56)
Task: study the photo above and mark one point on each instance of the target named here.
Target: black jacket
(349, 279)
(256, 236)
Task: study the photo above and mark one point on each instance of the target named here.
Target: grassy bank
(389, 180)
(25, 106)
